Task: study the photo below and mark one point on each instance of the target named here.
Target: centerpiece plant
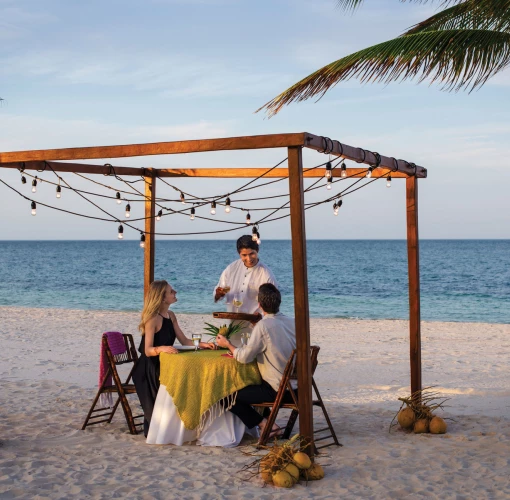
(225, 330)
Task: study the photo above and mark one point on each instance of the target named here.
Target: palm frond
(349, 4)
(460, 59)
(470, 14)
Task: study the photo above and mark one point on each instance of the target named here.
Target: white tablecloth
(166, 427)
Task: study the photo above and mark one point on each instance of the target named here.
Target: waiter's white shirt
(244, 282)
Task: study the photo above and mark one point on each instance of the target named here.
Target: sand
(49, 365)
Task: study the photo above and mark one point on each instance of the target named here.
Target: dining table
(196, 390)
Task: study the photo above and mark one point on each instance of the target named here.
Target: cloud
(169, 75)
(16, 22)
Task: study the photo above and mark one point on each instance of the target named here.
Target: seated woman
(159, 329)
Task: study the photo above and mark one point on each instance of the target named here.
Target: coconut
(314, 473)
(421, 426)
(437, 425)
(406, 418)
(293, 471)
(266, 476)
(283, 479)
(302, 460)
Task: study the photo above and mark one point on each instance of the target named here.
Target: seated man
(271, 343)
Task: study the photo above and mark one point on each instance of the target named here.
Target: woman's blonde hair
(153, 302)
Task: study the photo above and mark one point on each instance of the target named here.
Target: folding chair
(285, 385)
(122, 389)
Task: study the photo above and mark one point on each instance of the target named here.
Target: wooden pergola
(382, 165)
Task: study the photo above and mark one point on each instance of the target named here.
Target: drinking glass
(244, 340)
(238, 301)
(196, 337)
(226, 289)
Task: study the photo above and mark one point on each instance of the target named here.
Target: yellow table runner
(198, 380)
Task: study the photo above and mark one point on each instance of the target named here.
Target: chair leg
(324, 411)
(290, 424)
(99, 392)
(114, 409)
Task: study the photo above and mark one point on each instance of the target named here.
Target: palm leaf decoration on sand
(461, 47)
(225, 330)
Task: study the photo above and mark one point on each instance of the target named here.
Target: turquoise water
(461, 280)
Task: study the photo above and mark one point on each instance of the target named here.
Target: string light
(192, 216)
(344, 170)
(388, 181)
(329, 184)
(142, 241)
(328, 173)
(213, 208)
(335, 208)
(34, 208)
(183, 200)
(369, 172)
(227, 205)
(258, 238)
(248, 218)
(117, 195)
(34, 185)
(160, 213)
(128, 211)
(254, 233)
(59, 191)
(23, 179)
(121, 232)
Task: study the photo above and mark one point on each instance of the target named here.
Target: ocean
(461, 280)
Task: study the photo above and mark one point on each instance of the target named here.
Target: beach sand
(49, 367)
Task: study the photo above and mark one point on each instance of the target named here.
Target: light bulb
(34, 186)
(34, 208)
(128, 211)
(121, 232)
(142, 241)
(344, 170)
(23, 179)
(192, 216)
(328, 170)
(59, 191)
(388, 181)
(335, 209)
(329, 183)
(213, 208)
(258, 241)
(369, 172)
(117, 195)
(248, 218)
(160, 213)
(227, 205)
(254, 234)
(183, 200)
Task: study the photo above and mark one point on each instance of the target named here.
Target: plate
(237, 316)
(184, 347)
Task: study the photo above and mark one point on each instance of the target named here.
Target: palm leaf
(470, 14)
(457, 58)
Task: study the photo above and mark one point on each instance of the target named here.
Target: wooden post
(150, 227)
(413, 263)
(297, 224)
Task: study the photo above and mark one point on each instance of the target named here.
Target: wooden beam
(158, 148)
(413, 263)
(81, 168)
(361, 155)
(301, 310)
(150, 228)
(275, 173)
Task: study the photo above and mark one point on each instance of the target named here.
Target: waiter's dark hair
(269, 298)
(246, 241)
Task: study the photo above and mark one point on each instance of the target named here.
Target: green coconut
(302, 460)
(283, 479)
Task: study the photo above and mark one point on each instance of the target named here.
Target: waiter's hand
(222, 341)
(220, 293)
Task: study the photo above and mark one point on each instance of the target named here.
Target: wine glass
(238, 301)
(196, 337)
(244, 340)
(226, 289)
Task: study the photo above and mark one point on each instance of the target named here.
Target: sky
(108, 72)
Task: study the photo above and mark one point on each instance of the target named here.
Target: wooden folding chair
(122, 389)
(286, 388)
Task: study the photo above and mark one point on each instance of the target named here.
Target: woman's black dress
(146, 373)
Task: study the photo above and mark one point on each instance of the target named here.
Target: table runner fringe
(216, 410)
